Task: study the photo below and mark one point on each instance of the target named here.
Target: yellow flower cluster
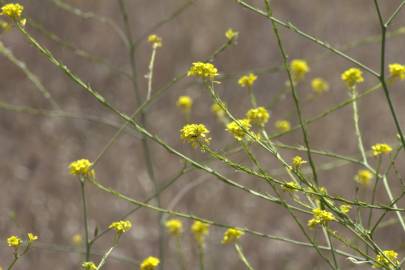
(174, 227)
(155, 40)
(299, 68)
(32, 237)
(237, 128)
(247, 80)
(14, 241)
(195, 134)
(383, 260)
(397, 71)
(363, 177)
(283, 125)
(184, 103)
(81, 167)
(200, 231)
(149, 263)
(291, 186)
(319, 85)
(345, 208)
(121, 226)
(89, 266)
(203, 70)
(217, 110)
(381, 148)
(258, 116)
(14, 11)
(321, 217)
(231, 235)
(231, 34)
(352, 76)
(297, 162)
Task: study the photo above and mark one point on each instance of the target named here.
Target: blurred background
(37, 193)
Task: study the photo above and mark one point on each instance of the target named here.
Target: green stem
(86, 228)
(243, 257)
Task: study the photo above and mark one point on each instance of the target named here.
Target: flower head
(298, 69)
(352, 76)
(12, 10)
(32, 237)
(231, 235)
(174, 227)
(237, 128)
(200, 231)
(14, 241)
(258, 116)
(397, 71)
(77, 239)
(89, 266)
(231, 34)
(319, 85)
(121, 226)
(203, 70)
(363, 177)
(149, 263)
(247, 80)
(155, 40)
(195, 134)
(81, 167)
(345, 208)
(381, 148)
(321, 217)
(387, 259)
(291, 186)
(184, 103)
(283, 125)
(217, 110)
(297, 162)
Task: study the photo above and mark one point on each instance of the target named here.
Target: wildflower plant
(340, 228)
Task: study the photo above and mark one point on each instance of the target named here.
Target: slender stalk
(360, 144)
(86, 228)
(104, 259)
(243, 257)
(14, 261)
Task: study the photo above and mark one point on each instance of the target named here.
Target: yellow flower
(319, 85)
(203, 70)
(32, 237)
(381, 148)
(321, 217)
(14, 241)
(291, 186)
(184, 103)
(89, 266)
(352, 76)
(77, 239)
(174, 227)
(121, 226)
(231, 34)
(195, 134)
(231, 235)
(81, 167)
(345, 208)
(237, 128)
(12, 10)
(383, 260)
(4, 25)
(217, 110)
(297, 162)
(247, 80)
(298, 69)
(155, 40)
(283, 125)
(200, 231)
(149, 263)
(258, 116)
(363, 177)
(397, 71)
